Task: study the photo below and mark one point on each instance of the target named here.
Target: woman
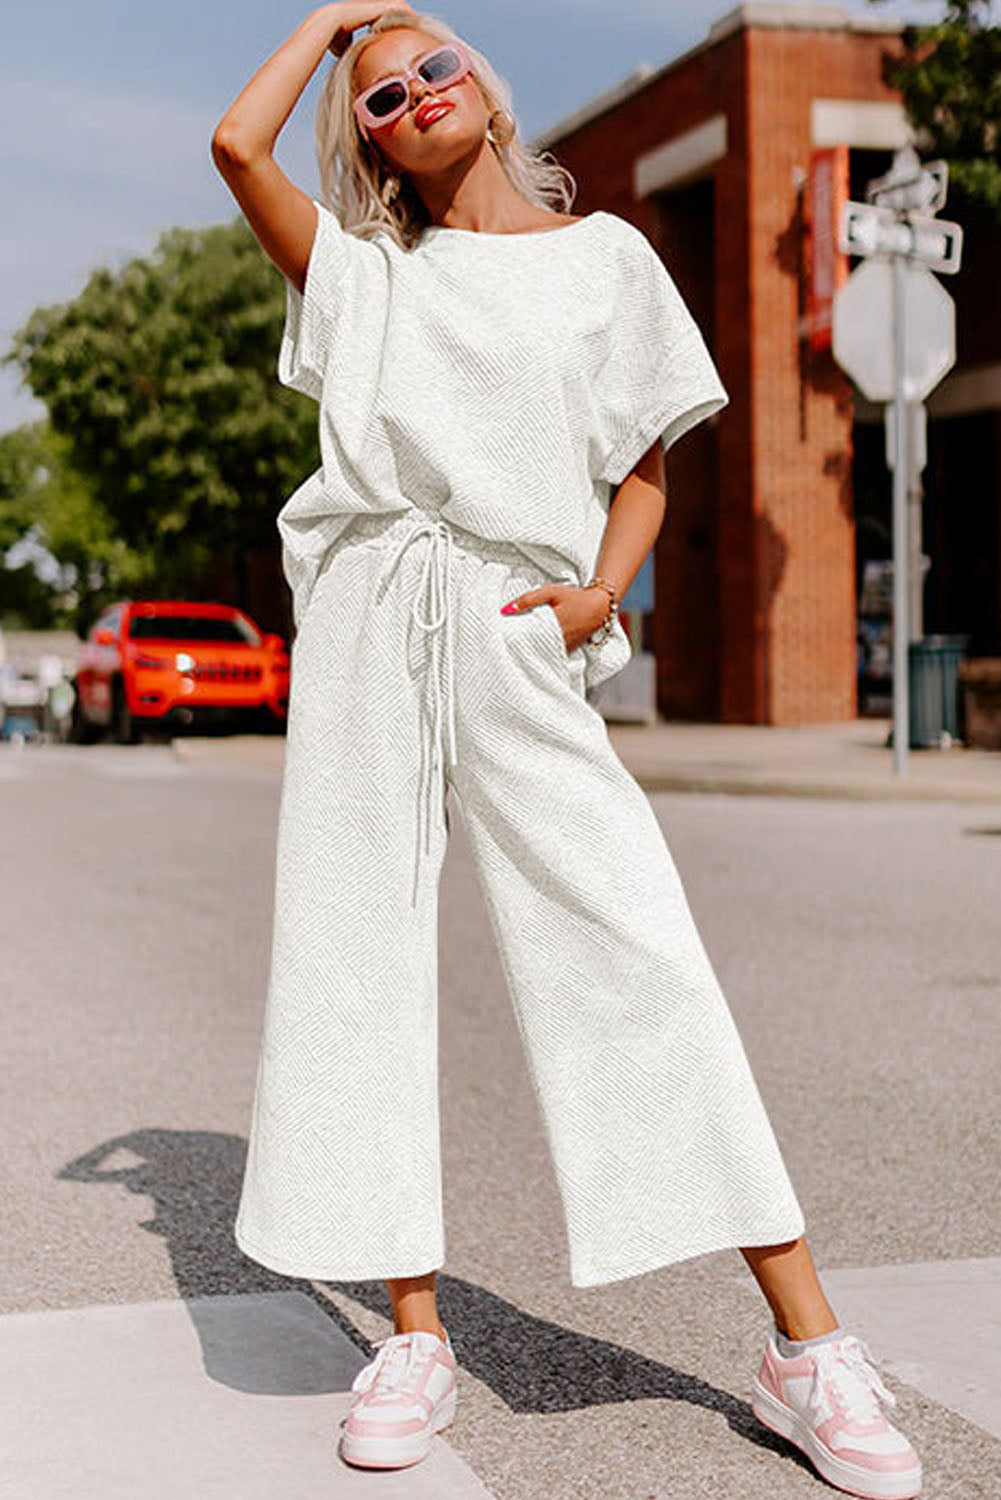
(498, 382)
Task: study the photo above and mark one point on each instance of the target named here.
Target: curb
(268, 752)
(668, 781)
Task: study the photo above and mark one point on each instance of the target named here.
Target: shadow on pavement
(531, 1364)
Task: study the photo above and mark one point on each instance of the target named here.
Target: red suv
(164, 664)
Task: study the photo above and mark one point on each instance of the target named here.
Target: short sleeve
(310, 315)
(659, 379)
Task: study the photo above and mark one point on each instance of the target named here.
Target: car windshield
(224, 628)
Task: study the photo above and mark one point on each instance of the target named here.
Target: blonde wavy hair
(353, 173)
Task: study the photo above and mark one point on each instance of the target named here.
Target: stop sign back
(862, 329)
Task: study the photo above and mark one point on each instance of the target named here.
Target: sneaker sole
(396, 1453)
(774, 1415)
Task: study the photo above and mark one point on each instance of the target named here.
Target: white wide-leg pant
(661, 1144)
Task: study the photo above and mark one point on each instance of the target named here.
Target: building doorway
(685, 628)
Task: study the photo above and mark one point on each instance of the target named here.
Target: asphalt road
(859, 947)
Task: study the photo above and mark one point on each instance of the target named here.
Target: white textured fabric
(660, 1141)
(507, 382)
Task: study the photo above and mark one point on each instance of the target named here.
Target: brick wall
(802, 409)
(769, 481)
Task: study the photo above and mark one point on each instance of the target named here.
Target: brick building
(775, 503)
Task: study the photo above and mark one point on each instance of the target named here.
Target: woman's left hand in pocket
(579, 611)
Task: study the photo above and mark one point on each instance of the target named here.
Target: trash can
(933, 690)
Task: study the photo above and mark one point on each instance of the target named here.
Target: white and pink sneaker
(825, 1401)
(407, 1394)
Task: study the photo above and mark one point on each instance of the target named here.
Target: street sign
(869, 230)
(911, 185)
(863, 330)
(893, 331)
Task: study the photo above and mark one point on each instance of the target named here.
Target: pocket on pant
(572, 662)
(553, 626)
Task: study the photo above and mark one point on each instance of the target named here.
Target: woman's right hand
(282, 216)
(350, 16)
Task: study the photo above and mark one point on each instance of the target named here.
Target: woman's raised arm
(281, 215)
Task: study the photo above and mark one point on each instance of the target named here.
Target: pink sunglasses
(388, 99)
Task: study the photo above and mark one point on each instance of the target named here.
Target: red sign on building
(826, 193)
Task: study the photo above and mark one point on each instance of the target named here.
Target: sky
(107, 109)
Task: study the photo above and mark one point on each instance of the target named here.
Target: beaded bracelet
(604, 630)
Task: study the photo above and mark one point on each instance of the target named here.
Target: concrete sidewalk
(214, 1397)
(849, 759)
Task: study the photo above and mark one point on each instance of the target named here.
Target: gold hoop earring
(389, 190)
(500, 128)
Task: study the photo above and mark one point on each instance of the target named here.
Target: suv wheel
(122, 723)
(81, 730)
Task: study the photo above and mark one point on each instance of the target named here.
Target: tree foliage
(160, 380)
(49, 512)
(949, 77)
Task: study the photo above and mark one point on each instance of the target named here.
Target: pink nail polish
(509, 609)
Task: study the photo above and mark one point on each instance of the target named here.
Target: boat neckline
(438, 230)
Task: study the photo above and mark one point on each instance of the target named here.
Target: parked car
(163, 664)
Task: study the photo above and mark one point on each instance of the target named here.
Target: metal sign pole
(901, 570)
(915, 495)
(901, 243)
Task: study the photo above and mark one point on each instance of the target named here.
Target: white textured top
(507, 382)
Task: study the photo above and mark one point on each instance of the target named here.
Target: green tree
(949, 77)
(160, 379)
(45, 500)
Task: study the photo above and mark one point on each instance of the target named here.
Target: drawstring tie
(434, 588)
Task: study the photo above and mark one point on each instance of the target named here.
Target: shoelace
(847, 1365)
(400, 1357)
